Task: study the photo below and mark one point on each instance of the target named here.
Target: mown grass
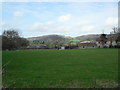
(82, 68)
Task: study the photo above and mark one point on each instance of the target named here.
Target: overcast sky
(64, 18)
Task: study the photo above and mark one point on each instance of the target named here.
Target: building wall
(87, 46)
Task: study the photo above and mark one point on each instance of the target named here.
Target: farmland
(80, 68)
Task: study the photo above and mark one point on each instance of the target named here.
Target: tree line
(11, 40)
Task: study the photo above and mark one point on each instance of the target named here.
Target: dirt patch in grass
(106, 83)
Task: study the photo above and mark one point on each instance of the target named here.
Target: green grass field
(82, 68)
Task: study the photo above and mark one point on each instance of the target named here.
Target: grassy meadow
(80, 68)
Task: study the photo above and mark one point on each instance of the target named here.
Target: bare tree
(116, 33)
(11, 33)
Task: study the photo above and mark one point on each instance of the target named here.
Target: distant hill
(51, 38)
(88, 37)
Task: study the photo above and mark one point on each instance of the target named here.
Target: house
(62, 48)
(87, 45)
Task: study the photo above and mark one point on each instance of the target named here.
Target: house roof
(86, 43)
